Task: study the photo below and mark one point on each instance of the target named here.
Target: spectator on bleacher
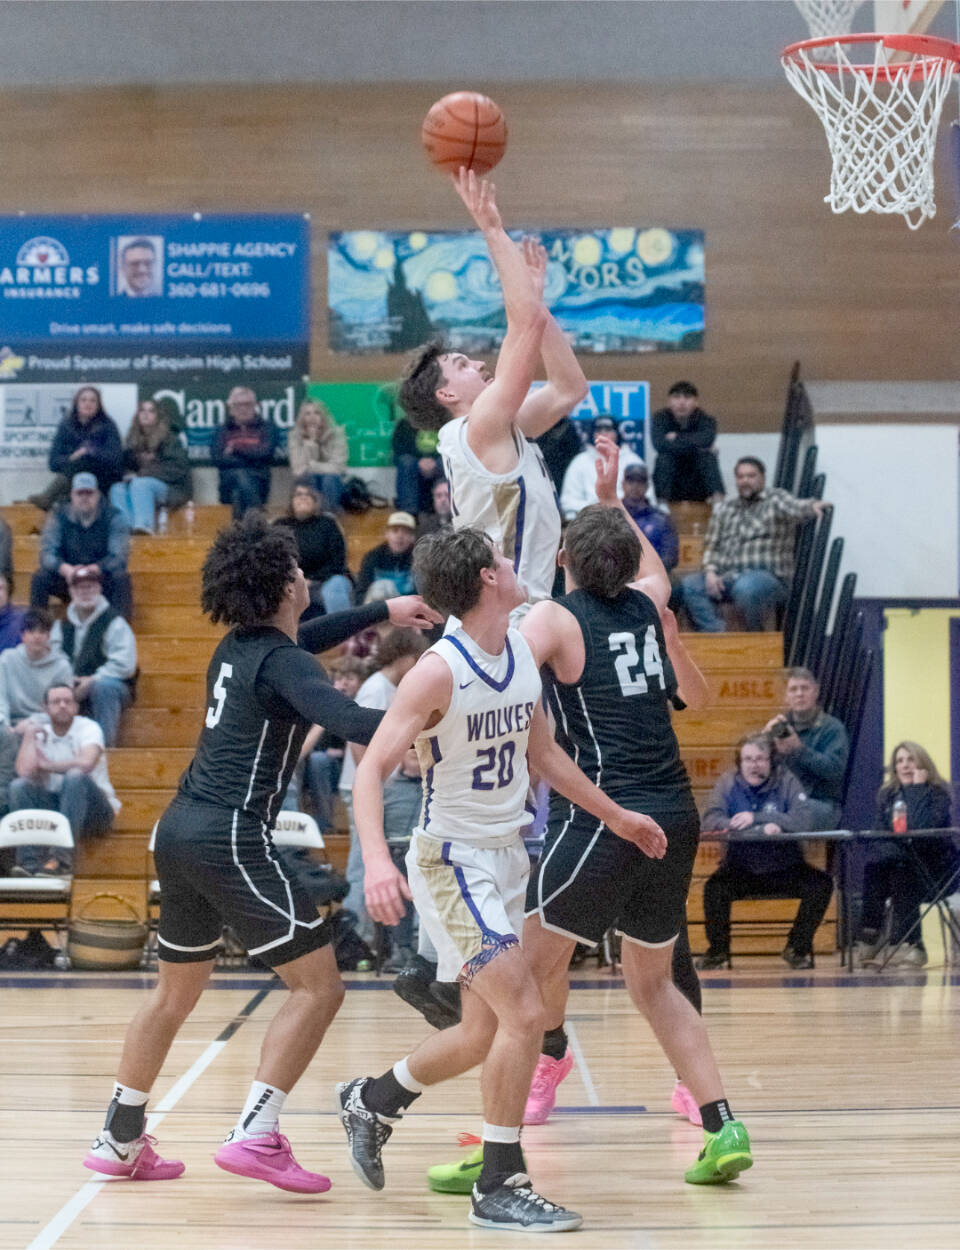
(156, 470)
(402, 801)
(28, 670)
(322, 551)
(891, 871)
(392, 560)
(317, 449)
(683, 437)
(101, 647)
(417, 463)
(243, 450)
(760, 794)
(579, 481)
(323, 751)
(558, 446)
(62, 767)
(748, 551)
(11, 617)
(657, 526)
(399, 650)
(87, 532)
(813, 745)
(441, 518)
(86, 441)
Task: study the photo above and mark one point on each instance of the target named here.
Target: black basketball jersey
(615, 721)
(249, 745)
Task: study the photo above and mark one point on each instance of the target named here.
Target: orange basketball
(464, 128)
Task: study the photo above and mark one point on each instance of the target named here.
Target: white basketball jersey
(474, 760)
(519, 509)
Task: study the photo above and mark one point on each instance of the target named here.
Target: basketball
(464, 129)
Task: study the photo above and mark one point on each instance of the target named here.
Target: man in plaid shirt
(748, 552)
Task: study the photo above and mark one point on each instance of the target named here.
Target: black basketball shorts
(589, 881)
(218, 867)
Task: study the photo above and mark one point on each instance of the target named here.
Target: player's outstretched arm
(566, 384)
(553, 765)
(691, 684)
(494, 411)
(421, 696)
(652, 578)
(325, 632)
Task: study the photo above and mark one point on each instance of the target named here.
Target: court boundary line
(54, 1229)
(585, 1075)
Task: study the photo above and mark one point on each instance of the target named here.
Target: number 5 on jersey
(632, 680)
(220, 695)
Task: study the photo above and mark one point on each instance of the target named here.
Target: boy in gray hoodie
(30, 668)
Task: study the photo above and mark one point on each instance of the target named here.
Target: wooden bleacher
(175, 642)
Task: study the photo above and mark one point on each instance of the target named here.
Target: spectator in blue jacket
(86, 532)
(814, 746)
(656, 525)
(86, 441)
(243, 450)
(761, 796)
(11, 617)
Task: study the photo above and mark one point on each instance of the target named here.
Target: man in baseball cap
(87, 533)
(656, 525)
(392, 561)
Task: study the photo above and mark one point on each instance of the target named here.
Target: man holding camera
(813, 745)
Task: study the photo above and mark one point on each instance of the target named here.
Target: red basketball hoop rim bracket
(927, 50)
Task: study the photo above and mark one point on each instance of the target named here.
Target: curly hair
(247, 570)
(446, 568)
(422, 378)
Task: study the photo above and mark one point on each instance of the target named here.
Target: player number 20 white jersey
(474, 760)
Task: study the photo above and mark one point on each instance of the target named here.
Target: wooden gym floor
(848, 1084)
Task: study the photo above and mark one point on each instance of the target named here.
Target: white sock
(261, 1111)
(500, 1133)
(127, 1096)
(402, 1073)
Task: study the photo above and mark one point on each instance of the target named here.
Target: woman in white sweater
(317, 448)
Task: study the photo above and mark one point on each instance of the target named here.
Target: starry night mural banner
(622, 289)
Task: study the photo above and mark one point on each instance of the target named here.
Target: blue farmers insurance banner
(612, 290)
(124, 298)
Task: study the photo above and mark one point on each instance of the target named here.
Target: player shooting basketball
(498, 480)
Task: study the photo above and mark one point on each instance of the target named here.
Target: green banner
(366, 410)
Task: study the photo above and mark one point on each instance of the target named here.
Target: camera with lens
(782, 729)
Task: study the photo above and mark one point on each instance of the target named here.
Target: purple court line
(66, 981)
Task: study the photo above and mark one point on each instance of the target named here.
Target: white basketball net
(827, 17)
(881, 124)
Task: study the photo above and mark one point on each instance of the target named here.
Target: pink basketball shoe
(543, 1088)
(134, 1159)
(684, 1103)
(269, 1158)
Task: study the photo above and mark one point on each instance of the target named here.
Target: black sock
(123, 1122)
(385, 1095)
(500, 1160)
(716, 1114)
(554, 1043)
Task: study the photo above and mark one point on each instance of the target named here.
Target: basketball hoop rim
(929, 47)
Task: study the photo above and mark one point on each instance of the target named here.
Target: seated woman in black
(322, 550)
(892, 871)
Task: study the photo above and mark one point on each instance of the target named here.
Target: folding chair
(37, 902)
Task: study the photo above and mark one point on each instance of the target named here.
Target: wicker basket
(106, 943)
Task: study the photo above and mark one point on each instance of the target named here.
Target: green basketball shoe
(724, 1156)
(457, 1178)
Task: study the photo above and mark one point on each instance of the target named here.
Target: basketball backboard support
(904, 17)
